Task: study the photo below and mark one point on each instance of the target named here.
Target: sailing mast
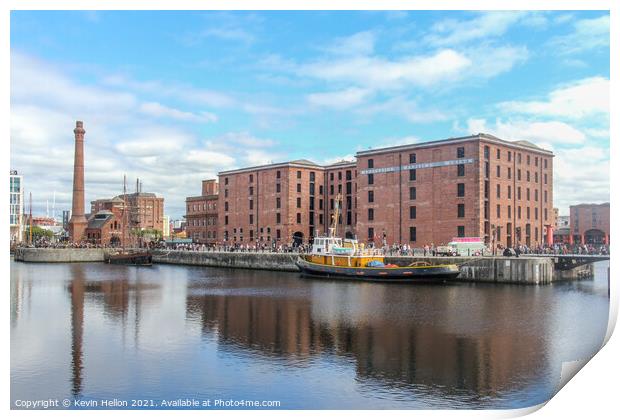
(124, 221)
(30, 224)
(333, 230)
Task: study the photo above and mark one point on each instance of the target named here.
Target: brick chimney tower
(77, 223)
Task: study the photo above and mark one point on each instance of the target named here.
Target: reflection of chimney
(76, 290)
(77, 224)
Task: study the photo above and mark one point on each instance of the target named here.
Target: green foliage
(38, 233)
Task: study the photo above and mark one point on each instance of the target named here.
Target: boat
(141, 258)
(334, 257)
(128, 257)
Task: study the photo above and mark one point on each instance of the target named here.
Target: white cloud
(486, 24)
(579, 99)
(588, 34)
(158, 110)
(398, 141)
(554, 133)
(342, 99)
(361, 43)
(406, 108)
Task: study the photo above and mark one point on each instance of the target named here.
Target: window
(371, 179)
(251, 202)
(371, 234)
(412, 234)
(487, 170)
(278, 188)
(339, 188)
(412, 158)
(460, 231)
(527, 211)
(226, 220)
(298, 202)
(320, 204)
(527, 194)
(509, 156)
(251, 191)
(509, 173)
(412, 174)
(320, 219)
(371, 214)
(298, 188)
(545, 178)
(460, 152)
(545, 163)
(412, 212)
(460, 210)
(536, 161)
(486, 152)
(536, 213)
(371, 196)
(499, 154)
(226, 193)
(339, 176)
(498, 171)
(371, 163)
(536, 195)
(499, 191)
(251, 219)
(226, 206)
(527, 159)
(545, 196)
(251, 178)
(519, 212)
(545, 214)
(278, 218)
(312, 176)
(412, 193)
(226, 180)
(518, 174)
(527, 176)
(349, 188)
(509, 191)
(298, 174)
(460, 190)
(298, 217)
(331, 189)
(331, 176)
(278, 203)
(460, 170)
(348, 175)
(486, 189)
(518, 193)
(320, 189)
(278, 174)
(499, 210)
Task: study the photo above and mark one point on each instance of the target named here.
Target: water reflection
(171, 332)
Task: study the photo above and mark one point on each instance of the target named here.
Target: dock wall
(522, 270)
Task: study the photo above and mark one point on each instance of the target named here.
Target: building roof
(591, 205)
(202, 197)
(299, 163)
(341, 163)
(520, 144)
(100, 219)
(140, 194)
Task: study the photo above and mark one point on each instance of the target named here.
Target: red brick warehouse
(423, 193)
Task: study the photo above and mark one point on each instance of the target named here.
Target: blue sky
(175, 97)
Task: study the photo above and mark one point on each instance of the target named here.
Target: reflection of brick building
(201, 216)
(589, 224)
(418, 194)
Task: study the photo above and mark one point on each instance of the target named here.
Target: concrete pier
(513, 270)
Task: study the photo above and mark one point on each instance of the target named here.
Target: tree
(38, 233)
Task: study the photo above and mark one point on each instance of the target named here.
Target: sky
(176, 97)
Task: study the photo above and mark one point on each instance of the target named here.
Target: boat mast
(334, 227)
(124, 221)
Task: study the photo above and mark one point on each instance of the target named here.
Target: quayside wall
(522, 270)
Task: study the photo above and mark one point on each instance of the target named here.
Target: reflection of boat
(333, 257)
(131, 258)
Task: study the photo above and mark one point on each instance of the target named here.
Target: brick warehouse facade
(480, 185)
(589, 224)
(201, 217)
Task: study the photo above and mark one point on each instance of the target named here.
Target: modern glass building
(16, 192)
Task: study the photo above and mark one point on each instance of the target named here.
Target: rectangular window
(412, 212)
(412, 193)
(519, 212)
(545, 177)
(298, 188)
(499, 210)
(371, 163)
(371, 234)
(331, 176)
(536, 213)
(320, 189)
(527, 194)
(499, 154)
(460, 190)
(498, 171)
(499, 191)
(518, 193)
(460, 170)
(348, 175)
(536, 161)
(298, 202)
(518, 174)
(519, 158)
(225, 220)
(460, 231)
(412, 174)
(460, 210)
(509, 156)
(527, 211)
(536, 195)
(226, 193)
(278, 218)
(278, 203)
(371, 196)
(226, 206)
(509, 191)
(312, 176)
(412, 158)
(371, 214)
(527, 176)
(545, 163)
(278, 188)
(509, 212)
(509, 173)
(412, 234)
(251, 204)
(278, 174)
(251, 219)
(298, 174)
(527, 158)
(339, 176)
(331, 189)
(486, 152)
(320, 204)
(545, 214)
(545, 196)
(298, 217)
(320, 218)
(251, 190)
(371, 179)
(460, 152)
(251, 178)
(349, 188)
(226, 180)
